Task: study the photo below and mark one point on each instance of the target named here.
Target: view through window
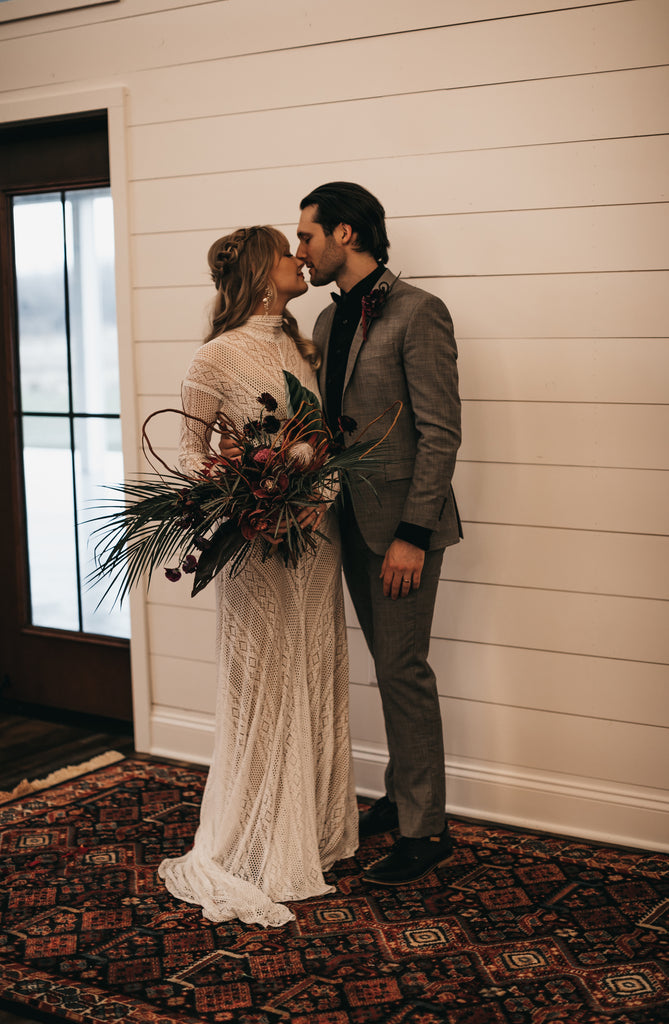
(69, 388)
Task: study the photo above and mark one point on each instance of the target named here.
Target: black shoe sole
(409, 881)
(378, 832)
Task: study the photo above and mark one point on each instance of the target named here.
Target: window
(69, 397)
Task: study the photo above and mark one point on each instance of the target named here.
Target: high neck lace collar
(266, 324)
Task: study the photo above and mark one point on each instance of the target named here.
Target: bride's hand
(228, 448)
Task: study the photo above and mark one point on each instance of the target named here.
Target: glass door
(59, 417)
(69, 398)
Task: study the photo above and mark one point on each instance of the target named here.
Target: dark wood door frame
(45, 667)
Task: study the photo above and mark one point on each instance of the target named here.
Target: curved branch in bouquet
(400, 404)
(221, 424)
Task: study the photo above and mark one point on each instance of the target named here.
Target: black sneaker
(381, 817)
(410, 859)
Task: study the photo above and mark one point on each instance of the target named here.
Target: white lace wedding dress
(279, 805)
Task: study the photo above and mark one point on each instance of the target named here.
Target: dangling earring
(267, 300)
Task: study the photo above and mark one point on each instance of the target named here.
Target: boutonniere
(372, 305)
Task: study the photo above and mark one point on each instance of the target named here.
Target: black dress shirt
(348, 314)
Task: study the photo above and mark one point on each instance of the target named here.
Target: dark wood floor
(35, 743)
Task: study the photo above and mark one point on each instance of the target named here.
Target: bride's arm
(201, 397)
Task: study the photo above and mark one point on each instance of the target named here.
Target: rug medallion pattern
(515, 928)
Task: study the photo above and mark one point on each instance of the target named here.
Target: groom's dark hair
(343, 202)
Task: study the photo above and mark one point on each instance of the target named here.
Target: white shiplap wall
(520, 148)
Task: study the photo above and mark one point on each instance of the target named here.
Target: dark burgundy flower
(347, 424)
(252, 427)
(172, 575)
(248, 529)
(262, 455)
(372, 305)
(271, 424)
(189, 564)
(268, 401)
(201, 543)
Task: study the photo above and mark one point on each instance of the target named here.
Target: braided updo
(241, 264)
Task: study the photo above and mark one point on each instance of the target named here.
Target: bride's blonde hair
(241, 264)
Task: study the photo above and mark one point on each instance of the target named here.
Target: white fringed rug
(26, 787)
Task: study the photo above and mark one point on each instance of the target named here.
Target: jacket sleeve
(430, 365)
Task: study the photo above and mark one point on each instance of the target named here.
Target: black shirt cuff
(419, 536)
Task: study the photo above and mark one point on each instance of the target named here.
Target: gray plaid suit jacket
(410, 354)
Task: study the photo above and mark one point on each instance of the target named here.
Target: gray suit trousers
(398, 637)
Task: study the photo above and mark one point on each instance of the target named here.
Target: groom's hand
(401, 569)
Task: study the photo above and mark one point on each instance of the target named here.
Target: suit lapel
(322, 339)
(357, 342)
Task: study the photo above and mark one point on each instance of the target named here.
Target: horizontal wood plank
(631, 629)
(571, 745)
(602, 238)
(562, 370)
(599, 688)
(621, 305)
(614, 305)
(453, 56)
(559, 433)
(201, 208)
(563, 497)
(567, 434)
(567, 560)
(583, 240)
(571, 109)
(177, 632)
(163, 34)
(520, 556)
(625, 628)
(567, 684)
(570, 497)
(565, 369)
(181, 682)
(311, 24)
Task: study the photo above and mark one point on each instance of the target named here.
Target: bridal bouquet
(201, 523)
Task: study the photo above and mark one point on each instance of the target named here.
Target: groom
(382, 340)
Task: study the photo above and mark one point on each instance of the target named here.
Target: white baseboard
(182, 735)
(564, 804)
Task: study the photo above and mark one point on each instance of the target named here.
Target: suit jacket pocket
(402, 469)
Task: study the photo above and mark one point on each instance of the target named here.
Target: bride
(279, 804)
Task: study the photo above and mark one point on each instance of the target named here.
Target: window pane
(98, 461)
(90, 270)
(47, 469)
(64, 252)
(40, 274)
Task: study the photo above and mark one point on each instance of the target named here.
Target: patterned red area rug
(516, 928)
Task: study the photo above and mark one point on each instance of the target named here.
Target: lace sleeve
(202, 395)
